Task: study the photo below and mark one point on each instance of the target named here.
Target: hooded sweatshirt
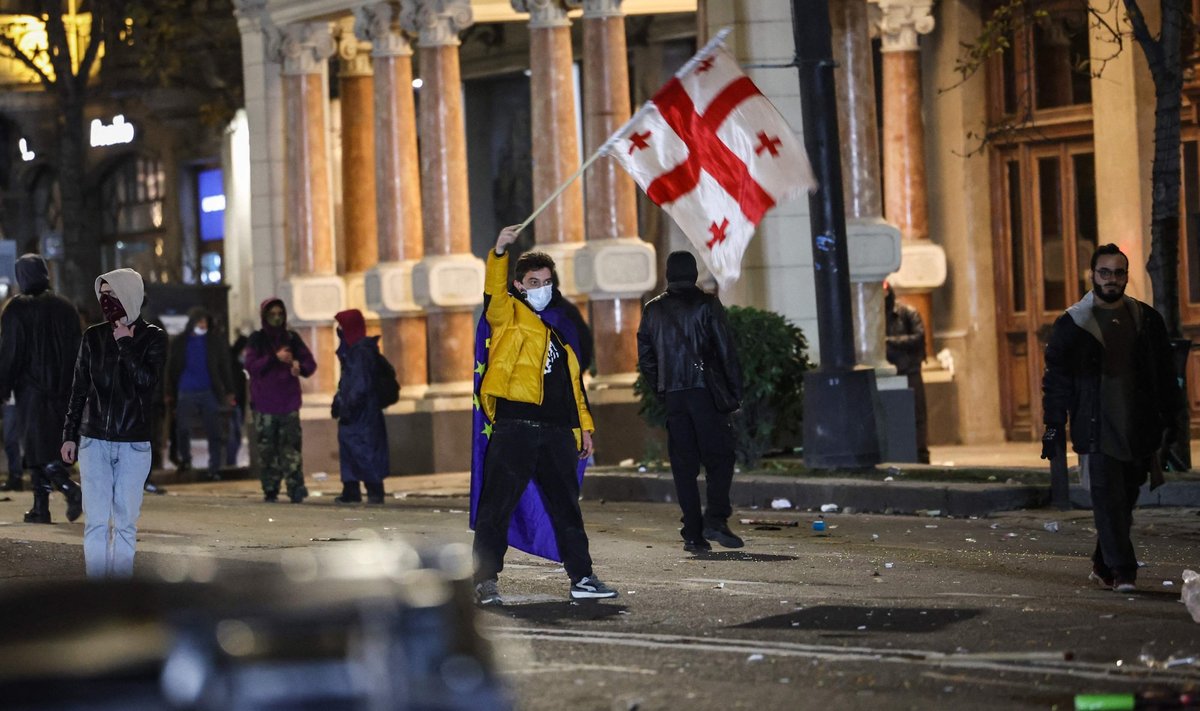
(32, 274)
(128, 288)
(273, 388)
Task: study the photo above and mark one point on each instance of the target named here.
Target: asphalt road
(879, 612)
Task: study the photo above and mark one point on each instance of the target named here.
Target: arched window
(132, 195)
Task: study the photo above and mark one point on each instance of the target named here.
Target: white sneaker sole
(584, 595)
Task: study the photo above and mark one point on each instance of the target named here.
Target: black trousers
(917, 383)
(1114, 486)
(698, 434)
(520, 450)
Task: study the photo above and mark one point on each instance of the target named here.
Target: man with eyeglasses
(1109, 371)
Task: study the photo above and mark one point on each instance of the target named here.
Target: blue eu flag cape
(530, 529)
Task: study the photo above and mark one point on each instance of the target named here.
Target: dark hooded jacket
(216, 356)
(273, 388)
(684, 340)
(39, 340)
(362, 435)
(1071, 384)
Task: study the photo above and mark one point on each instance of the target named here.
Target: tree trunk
(81, 263)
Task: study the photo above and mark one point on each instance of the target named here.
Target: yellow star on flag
(475, 401)
(480, 367)
(487, 430)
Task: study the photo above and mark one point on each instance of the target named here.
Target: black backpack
(385, 381)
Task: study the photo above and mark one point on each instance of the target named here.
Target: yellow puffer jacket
(519, 345)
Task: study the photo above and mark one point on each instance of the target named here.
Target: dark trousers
(1114, 486)
(12, 442)
(918, 387)
(204, 405)
(237, 421)
(698, 434)
(520, 450)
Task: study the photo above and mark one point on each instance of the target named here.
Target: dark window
(1054, 280)
(1191, 201)
(1016, 236)
(1087, 233)
(1061, 62)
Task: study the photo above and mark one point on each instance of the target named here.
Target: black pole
(839, 401)
(827, 212)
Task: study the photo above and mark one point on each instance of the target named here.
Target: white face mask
(199, 330)
(539, 298)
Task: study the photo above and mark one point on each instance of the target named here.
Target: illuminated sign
(210, 190)
(111, 134)
(26, 154)
(213, 203)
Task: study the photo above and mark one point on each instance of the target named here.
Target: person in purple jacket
(276, 359)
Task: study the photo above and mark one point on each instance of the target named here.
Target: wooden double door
(1045, 227)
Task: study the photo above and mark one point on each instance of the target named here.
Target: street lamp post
(839, 400)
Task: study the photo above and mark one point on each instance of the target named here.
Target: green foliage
(774, 357)
(194, 45)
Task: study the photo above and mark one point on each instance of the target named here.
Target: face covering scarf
(113, 310)
(540, 297)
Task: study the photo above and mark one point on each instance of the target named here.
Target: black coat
(684, 342)
(39, 339)
(362, 435)
(905, 339)
(217, 356)
(112, 395)
(1075, 364)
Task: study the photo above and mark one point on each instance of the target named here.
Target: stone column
(448, 281)
(559, 229)
(355, 89)
(615, 267)
(389, 284)
(905, 199)
(874, 246)
(312, 289)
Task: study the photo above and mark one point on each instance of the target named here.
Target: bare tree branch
(1141, 32)
(14, 52)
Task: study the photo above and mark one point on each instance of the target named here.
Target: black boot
(375, 493)
(14, 483)
(60, 478)
(351, 494)
(40, 513)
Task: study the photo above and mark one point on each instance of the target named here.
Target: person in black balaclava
(39, 341)
(687, 355)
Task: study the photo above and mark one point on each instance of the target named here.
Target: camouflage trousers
(277, 438)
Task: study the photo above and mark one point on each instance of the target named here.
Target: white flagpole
(708, 49)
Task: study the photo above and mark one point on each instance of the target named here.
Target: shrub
(774, 357)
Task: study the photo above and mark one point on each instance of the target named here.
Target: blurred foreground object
(376, 626)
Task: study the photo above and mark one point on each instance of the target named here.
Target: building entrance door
(1045, 233)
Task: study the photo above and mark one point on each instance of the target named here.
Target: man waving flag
(714, 153)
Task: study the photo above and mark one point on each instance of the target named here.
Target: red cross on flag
(714, 153)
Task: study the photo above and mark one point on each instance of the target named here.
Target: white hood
(127, 288)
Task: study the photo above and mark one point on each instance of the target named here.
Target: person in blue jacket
(362, 436)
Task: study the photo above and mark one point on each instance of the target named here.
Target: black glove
(1050, 442)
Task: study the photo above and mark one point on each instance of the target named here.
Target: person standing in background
(39, 339)
(199, 384)
(276, 359)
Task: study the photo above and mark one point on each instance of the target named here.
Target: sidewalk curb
(899, 497)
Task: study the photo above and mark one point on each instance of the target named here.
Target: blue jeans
(112, 475)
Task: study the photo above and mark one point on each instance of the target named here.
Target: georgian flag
(714, 153)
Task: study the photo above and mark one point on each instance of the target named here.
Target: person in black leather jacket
(906, 350)
(108, 424)
(686, 353)
(39, 337)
